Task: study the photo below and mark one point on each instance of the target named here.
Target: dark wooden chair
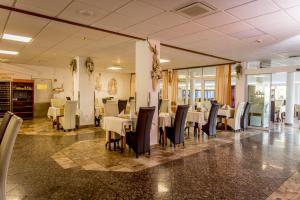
(4, 124)
(122, 105)
(245, 117)
(139, 140)
(210, 128)
(176, 132)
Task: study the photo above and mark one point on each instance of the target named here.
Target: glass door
(259, 88)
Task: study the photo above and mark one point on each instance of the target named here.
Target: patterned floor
(50, 164)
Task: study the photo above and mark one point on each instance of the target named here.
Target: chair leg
(183, 143)
(136, 155)
(149, 153)
(114, 145)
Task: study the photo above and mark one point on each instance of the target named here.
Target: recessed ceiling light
(86, 13)
(9, 52)
(114, 67)
(164, 60)
(18, 38)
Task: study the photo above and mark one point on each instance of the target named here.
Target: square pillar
(145, 95)
(83, 85)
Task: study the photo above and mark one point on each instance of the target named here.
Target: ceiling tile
(294, 12)
(188, 28)
(164, 35)
(116, 22)
(109, 5)
(247, 34)
(142, 29)
(253, 9)
(3, 17)
(51, 8)
(26, 25)
(89, 15)
(7, 2)
(139, 11)
(287, 3)
(167, 20)
(217, 19)
(207, 35)
(11, 45)
(234, 27)
(168, 4)
(278, 24)
(226, 4)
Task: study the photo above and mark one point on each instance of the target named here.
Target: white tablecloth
(228, 113)
(194, 116)
(55, 112)
(116, 124)
(164, 120)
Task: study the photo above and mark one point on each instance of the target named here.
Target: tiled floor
(47, 164)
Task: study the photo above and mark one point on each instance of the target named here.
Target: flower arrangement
(156, 72)
(89, 64)
(238, 70)
(73, 66)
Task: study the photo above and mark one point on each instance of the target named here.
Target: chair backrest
(238, 114)
(58, 103)
(245, 116)
(143, 127)
(164, 106)
(212, 119)
(179, 123)
(6, 149)
(111, 109)
(70, 115)
(4, 124)
(122, 105)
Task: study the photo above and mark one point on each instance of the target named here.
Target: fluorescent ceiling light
(16, 38)
(164, 60)
(115, 68)
(9, 52)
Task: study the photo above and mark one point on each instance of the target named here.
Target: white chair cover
(6, 150)
(164, 106)
(68, 121)
(235, 123)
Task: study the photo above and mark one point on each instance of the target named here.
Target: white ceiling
(238, 30)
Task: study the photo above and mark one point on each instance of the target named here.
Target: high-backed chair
(68, 121)
(4, 124)
(111, 109)
(122, 105)
(139, 140)
(176, 132)
(245, 117)
(6, 149)
(210, 128)
(235, 123)
(164, 106)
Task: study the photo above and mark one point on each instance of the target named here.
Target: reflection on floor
(254, 165)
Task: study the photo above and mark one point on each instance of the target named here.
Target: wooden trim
(204, 66)
(105, 30)
(22, 81)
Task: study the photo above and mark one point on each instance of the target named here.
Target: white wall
(64, 77)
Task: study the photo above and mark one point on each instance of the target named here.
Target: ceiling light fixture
(164, 60)
(86, 13)
(9, 52)
(115, 67)
(18, 38)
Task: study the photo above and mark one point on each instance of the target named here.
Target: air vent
(294, 56)
(196, 10)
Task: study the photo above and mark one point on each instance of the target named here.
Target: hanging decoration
(239, 70)
(89, 64)
(73, 66)
(156, 72)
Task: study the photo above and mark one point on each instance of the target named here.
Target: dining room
(99, 98)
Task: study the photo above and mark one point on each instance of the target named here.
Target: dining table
(196, 117)
(226, 114)
(117, 125)
(165, 120)
(54, 113)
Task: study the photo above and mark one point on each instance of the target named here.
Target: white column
(241, 88)
(145, 96)
(290, 98)
(84, 85)
(187, 79)
(192, 91)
